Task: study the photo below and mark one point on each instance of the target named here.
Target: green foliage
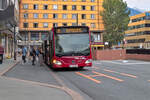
(116, 19)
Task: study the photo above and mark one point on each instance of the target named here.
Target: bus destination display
(71, 30)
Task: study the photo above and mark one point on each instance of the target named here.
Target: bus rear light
(88, 61)
(57, 62)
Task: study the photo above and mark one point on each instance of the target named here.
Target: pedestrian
(40, 56)
(37, 54)
(24, 53)
(33, 54)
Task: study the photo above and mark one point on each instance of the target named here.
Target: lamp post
(25, 16)
(14, 42)
(77, 20)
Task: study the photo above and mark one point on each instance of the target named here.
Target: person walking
(24, 53)
(37, 54)
(40, 56)
(33, 54)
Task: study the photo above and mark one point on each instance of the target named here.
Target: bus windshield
(76, 44)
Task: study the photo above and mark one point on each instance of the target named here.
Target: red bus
(68, 47)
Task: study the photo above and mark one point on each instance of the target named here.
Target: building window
(74, 16)
(64, 7)
(25, 15)
(44, 36)
(35, 25)
(74, 7)
(24, 36)
(83, 0)
(45, 7)
(92, 16)
(92, 0)
(55, 16)
(35, 6)
(83, 8)
(45, 16)
(92, 8)
(55, 7)
(64, 24)
(96, 37)
(83, 24)
(35, 15)
(93, 25)
(34, 36)
(55, 24)
(25, 6)
(74, 24)
(83, 16)
(45, 25)
(25, 25)
(64, 16)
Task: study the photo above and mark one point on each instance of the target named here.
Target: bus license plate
(73, 66)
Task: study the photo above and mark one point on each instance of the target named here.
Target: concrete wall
(119, 55)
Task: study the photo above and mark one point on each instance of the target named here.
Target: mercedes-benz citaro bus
(68, 47)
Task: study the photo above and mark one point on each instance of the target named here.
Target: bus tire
(80, 68)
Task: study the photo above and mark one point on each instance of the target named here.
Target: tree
(115, 19)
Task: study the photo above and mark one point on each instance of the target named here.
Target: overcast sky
(140, 4)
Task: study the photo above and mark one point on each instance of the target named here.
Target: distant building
(37, 17)
(138, 33)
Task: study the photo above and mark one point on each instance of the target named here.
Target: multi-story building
(9, 18)
(37, 17)
(138, 33)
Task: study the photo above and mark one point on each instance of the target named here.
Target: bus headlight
(57, 62)
(88, 61)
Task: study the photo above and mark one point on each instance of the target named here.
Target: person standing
(24, 53)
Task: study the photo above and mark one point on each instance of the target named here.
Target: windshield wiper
(60, 55)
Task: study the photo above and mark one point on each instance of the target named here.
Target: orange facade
(60, 12)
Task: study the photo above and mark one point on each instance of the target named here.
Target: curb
(74, 95)
(70, 92)
(8, 69)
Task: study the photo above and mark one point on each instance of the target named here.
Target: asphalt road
(106, 80)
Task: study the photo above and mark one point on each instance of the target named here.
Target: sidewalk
(15, 89)
(7, 63)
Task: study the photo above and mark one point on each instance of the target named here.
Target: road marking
(88, 77)
(124, 74)
(114, 78)
(94, 75)
(121, 63)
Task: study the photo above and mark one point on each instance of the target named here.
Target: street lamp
(25, 16)
(77, 19)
